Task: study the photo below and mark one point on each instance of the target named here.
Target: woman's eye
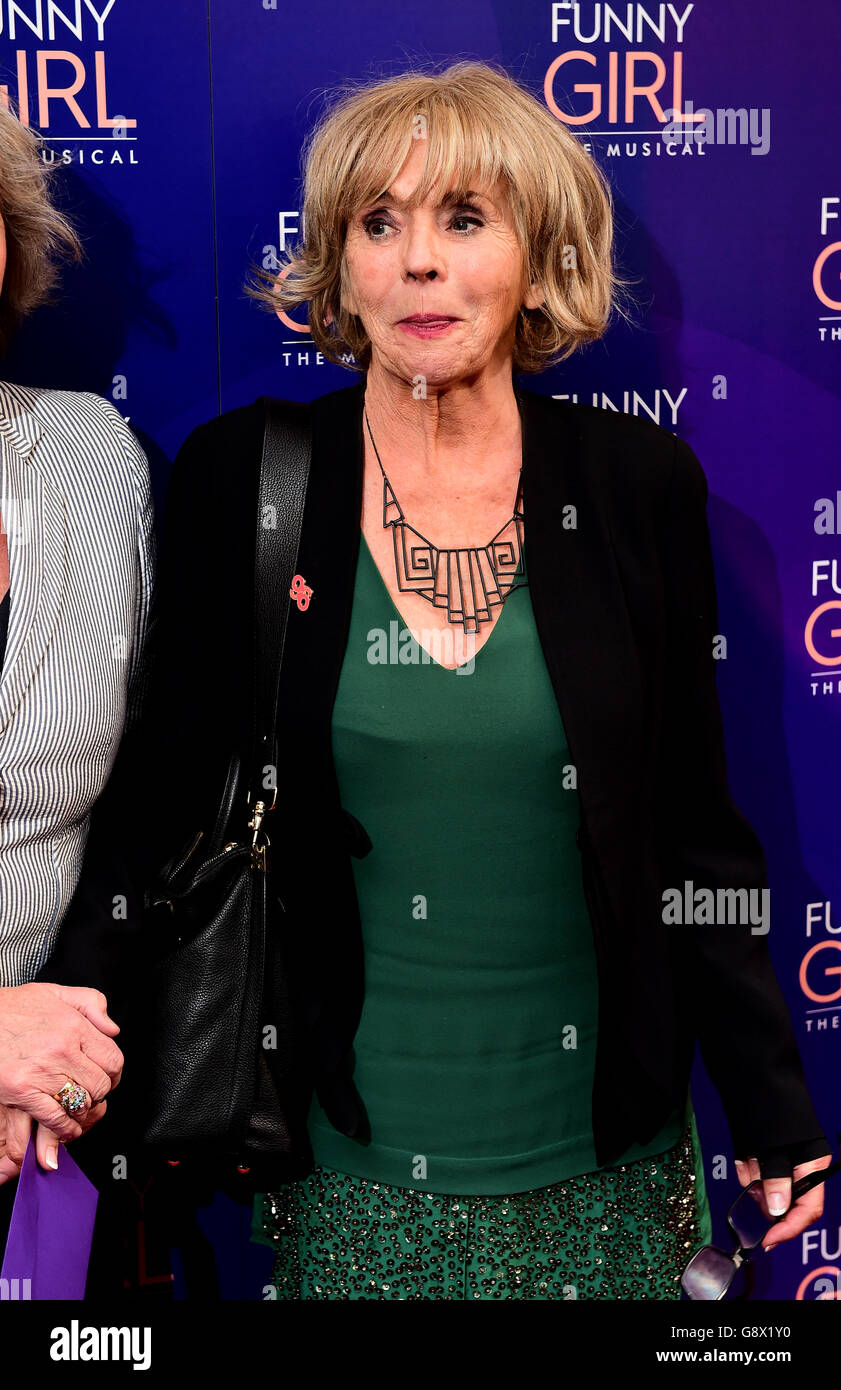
(373, 222)
(474, 221)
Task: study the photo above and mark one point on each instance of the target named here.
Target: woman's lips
(426, 326)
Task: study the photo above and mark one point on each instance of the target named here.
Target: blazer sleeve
(724, 972)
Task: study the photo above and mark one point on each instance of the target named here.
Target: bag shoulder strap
(281, 495)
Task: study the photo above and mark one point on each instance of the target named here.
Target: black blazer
(622, 586)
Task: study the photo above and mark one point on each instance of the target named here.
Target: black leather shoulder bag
(222, 1079)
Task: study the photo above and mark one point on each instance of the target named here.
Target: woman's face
(462, 261)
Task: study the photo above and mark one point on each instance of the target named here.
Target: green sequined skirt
(622, 1233)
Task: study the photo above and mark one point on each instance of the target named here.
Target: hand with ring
(58, 1062)
(15, 1126)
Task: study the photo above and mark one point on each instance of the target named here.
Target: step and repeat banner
(178, 129)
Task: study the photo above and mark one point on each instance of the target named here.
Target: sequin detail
(617, 1233)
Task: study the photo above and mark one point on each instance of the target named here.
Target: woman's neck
(461, 429)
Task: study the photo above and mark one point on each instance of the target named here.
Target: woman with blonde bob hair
(500, 743)
(76, 569)
(473, 124)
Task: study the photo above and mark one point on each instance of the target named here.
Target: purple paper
(51, 1230)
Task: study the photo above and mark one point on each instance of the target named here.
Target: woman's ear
(534, 296)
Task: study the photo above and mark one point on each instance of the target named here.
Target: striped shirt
(76, 503)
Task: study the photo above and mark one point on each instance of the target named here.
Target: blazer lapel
(580, 610)
(588, 641)
(316, 636)
(33, 514)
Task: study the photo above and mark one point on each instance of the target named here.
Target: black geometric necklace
(469, 580)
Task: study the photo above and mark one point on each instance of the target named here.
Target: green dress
(476, 1048)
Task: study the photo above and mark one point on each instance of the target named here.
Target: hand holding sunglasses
(711, 1271)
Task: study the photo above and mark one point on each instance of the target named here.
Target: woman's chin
(438, 368)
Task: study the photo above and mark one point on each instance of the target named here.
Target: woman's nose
(421, 250)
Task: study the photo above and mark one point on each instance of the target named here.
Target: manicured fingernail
(776, 1206)
(52, 1156)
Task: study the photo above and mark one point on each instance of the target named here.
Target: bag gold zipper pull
(258, 852)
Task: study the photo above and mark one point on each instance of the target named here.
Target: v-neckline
(448, 670)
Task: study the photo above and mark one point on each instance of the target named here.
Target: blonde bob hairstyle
(481, 125)
(38, 236)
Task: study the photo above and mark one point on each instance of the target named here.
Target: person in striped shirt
(76, 572)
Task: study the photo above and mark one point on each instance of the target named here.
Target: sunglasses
(711, 1271)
